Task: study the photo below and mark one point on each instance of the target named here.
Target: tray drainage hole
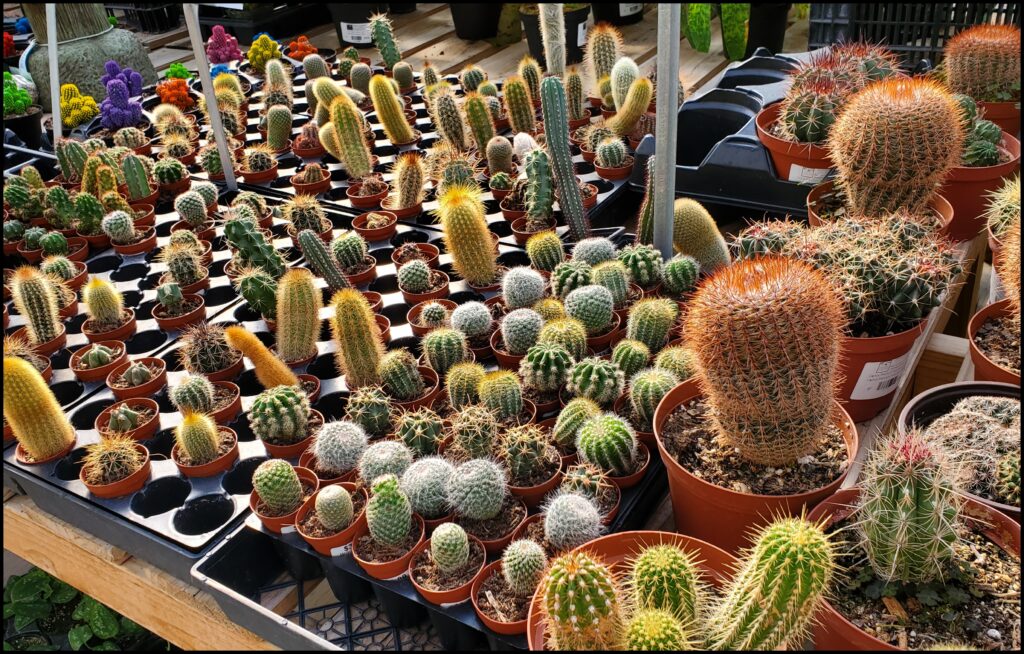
(502, 228)
(410, 342)
(466, 296)
(203, 514)
(383, 256)
(173, 360)
(161, 443)
(68, 467)
(396, 313)
(248, 385)
(323, 367)
(447, 269)
(242, 428)
(220, 295)
(160, 496)
(513, 258)
(129, 273)
(245, 313)
(67, 392)
(145, 310)
(385, 284)
(238, 480)
(584, 168)
(104, 264)
(332, 405)
(603, 185)
(62, 358)
(85, 417)
(325, 330)
(132, 298)
(146, 341)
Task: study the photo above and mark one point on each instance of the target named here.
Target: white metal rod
(665, 126)
(51, 31)
(191, 11)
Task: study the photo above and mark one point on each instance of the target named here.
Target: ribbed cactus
(593, 306)
(623, 74)
(184, 263)
(1008, 268)
(783, 301)
(388, 513)
(403, 75)
(349, 249)
(983, 61)
(277, 485)
(347, 133)
(53, 243)
(71, 157)
(123, 419)
(104, 304)
(298, 315)
(97, 355)
(567, 332)
(545, 251)
(425, 483)
(193, 394)
(390, 111)
(540, 186)
(400, 375)
(527, 454)
(522, 566)
(529, 69)
(668, 578)
(409, 175)
(434, 314)
(279, 126)
(613, 276)
(695, 234)
(467, 238)
(338, 447)
(384, 40)
(607, 441)
(444, 347)
(556, 128)
(909, 509)
(168, 171)
(502, 393)
(478, 118)
(333, 506)
(280, 415)
(522, 287)
(552, 32)
(499, 155)
(646, 390)
(198, 438)
(477, 489)
(320, 260)
(633, 107)
(916, 123)
(631, 356)
(449, 547)
(32, 411)
(370, 408)
(136, 176)
(570, 275)
(604, 47)
(35, 297)
(384, 458)
(520, 330)
(650, 321)
(119, 227)
(1007, 483)
(474, 430)
(461, 383)
(422, 430)
(572, 417)
(472, 319)
(581, 602)
(444, 109)
(137, 374)
(597, 379)
(655, 630)
(610, 153)
(644, 263)
(782, 581)
(519, 105)
(546, 367)
(680, 274)
(357, 337)
(574, 93)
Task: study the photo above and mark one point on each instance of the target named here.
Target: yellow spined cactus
(466, 236)
(33, 412)
(358, 338)
(270, 371)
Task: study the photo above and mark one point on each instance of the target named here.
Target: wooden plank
(162, 604)
(425, 31)
(164, 57)
(940, 362)
(453, 54)
(160, 39)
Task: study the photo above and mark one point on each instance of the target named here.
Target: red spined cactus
(984, 62)
(300, 47)
(175, 91)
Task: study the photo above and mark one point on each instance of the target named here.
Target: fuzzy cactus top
(118, 109)
(132, 79)
(221, 47)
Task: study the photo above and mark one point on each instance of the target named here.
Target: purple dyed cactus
(118, 109)
(222, 47)
(132, 80)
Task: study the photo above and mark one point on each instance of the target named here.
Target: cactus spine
(104, 304)
(522, 565)
(633, 107)
(280, 415)
(425, 483)
(445, 110)
(33, 412)
(984, 61)
(333, 507)
(695, 234)
(552, 34)
(581, 599)
(478, 117)
(668, 578)
(197, 437)
(347, 134)
(298, 315)
(315, 251)
(540, 188)
(278, 486)
(604, 47)
(35, 297)
(556, 127)
(384, 39)
(357, 337)
(519, 105)
(545, 251)
(467, 238)
(390, 111)
(570, 520)
(574, 94)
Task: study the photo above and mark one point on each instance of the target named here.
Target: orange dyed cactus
(175, 91)
(300, 47)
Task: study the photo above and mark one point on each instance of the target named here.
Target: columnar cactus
(540, 188)
(581, 603)
(667, 577)
(779, 587)
(646, 390)
(520, 330)
(338, 447)
(298, 315)
(545, 251)
(32, 411)
(467, 238)
(444, 108)
(552, 32)
(333, 506)
(556, 128)
(384, 40)
(370, 408)
(278, 486)
(429, 74)
(1008, 268)
(597, 379)
(71, 157)
(388, 513)
(425, 483)
(384, 458)
(359, 77)
(574, 94)
(567, 332)
(477, 489)
(631, 356)
(279, 126)
(198, 438)
(624, 73)
(499, 155)
(193, 394)
(104, 304)
(570, 520)
(474, 430)
(422, 430)
(634, 106)
(472, 319)
(519, 105)
(650, 321)
(593, 306)
(604, 47)
(270, 370)
(522, 287)
(607, 441)
(478, 118)
(400, 375)
(409, 175)
(522, 566)
(449, 547)
(461, 383)
(783, 303)
(320, 260)
(280, 415)
(390, 111)
(529, 69)
(680, 274)
(444, 347)
(358, 338)
(502, 393)
(546, 367)
(984, 61)
(346, 132)
(35, 297)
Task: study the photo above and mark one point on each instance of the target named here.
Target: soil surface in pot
(222, 398)
(538, 397)
(264, 510)
(227, 441)
(316, 421)
(120, 382)
(437, 282)
(371, 551)
(551, 462)
(188, 305)
(966, 609)
(308, 385)
(509, 517)
(80, 365)
(1000, 341)
(145, 415)
(506, 605)
(101, 328)
(367, 263)
(428, 575)
(312, 527)
(690, 437)
(408, 251)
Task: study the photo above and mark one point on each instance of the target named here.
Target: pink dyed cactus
(222, 48)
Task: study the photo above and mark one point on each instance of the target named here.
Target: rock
(993, 634)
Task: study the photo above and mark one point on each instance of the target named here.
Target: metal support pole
(191, 11)
(665, 127)
(51, 32)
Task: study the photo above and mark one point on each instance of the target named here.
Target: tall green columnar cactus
(390, 111)
(477, 489)
(444, 109)
(909, 509)
(695, 233)
(645, 219)
(32, 411)
(252, 247)
(298, 315)
(478, 117)
(574, 93)
(552, 34)
(325, 265)
(779, 587)
(388, 513)
(400, 375)
(357, 337)
(136, 175)
(35, 297)
(278, 486)
(353, 151)
(540, 187)
(443, 348)
(279, 127)
(384, 39)
(519, 105)
(467, 238)
(529, 70)
(668, 577)
(556, 127)
(581, 602)
(71, 157)
(280, 415)
(624, 73)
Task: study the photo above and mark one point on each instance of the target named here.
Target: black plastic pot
(475, 20)
(301, 565)
(291, 19)
(936, 402)
(401, 8)
(618, 13)
(767, 26)
(573, 42)
(352, 21)
(29, 127)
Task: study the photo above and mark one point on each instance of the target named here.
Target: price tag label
(356, 32)
(879, 378)
(581, 39)
(803, 175)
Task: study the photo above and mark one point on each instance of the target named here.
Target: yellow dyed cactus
(76, 109)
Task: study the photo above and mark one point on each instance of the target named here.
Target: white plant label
(630, 8)
(804, 175)
(879, 378)
(288, 529)
(581, 38)
(356, 32)
(341, 549)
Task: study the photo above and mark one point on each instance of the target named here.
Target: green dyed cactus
(390, 111)
(98, 355)
(519, 105)
(321, 260)
(358, 338)
(556, 128)
(650, 321)
(277, 485)
(388, 513)
(654, 630)
(477, 489)
(333, 506)
(444, 347)
(461, 383)
(607, 441)
(499, 156)
(474, 430)
(425, 483)
(338, 447)
(400, 375)
(680, 274)
(597, 379)
(546, 367)
(280, 415)
(520, 330)
(646, 390)
(370, 408)
(502, 393)
(478, 118)
(668, 578)
(522, 566)
(384, 458)
(449, 547)
(567, 332)
(611, 153)
(581, 603)
(422, 430)
(197, 437)
(545, 251)
(193, 394)
(593, 306)
(570, 520)
(384, 39)
(298, 315)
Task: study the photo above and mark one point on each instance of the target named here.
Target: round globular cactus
(501, 392)
(403, 74)
(522, 287)
(425, 483)
(384, 458)
(668, 578)
(545, 251)
(449, 547)
(984, 62)
(527, 454)
(474, 431)
(631, 356)
(414, 276)
(610, 153)
(370, 408)
(461, 383)
(520, 330)
(597, 379)
(338, 447)
(650, 321)
(434, 314)
(472, 319)
(280, 415)
(443, 348)
(277, 485)
(499, 155)
(680, 274)
(522, 566)
(570, 520)
(593, 306)
(120, 227)
(655, 630)
(594, 250)
(644, 264)
(333, 506)
(572, 417)
(193, 394)
(104, 304)
(422, 430)
(570, 275)
(581, 602)
(400, 375)
(646, 390)
(388, 513)
(607, 441)
(567, 332)
(546, 367)
(678, 360)
(1007, 484)
(549, 309)
(98, 355)
(477, 489)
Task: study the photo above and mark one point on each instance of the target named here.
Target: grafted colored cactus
(221, 47)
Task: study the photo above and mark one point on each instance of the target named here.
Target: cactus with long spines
(540, 187)
(623, 74)
(193, 394)
(321, 260)
(358, 338)
(1008, 268)
(384, 39)
(400, 376)
(633, 107)
(780, 585)
(668, 578)
(631, 356)
(407, 186)
(278, 486)
(422, 430)
(205, 349)
(1007, 482)
(522, 566)
(546, 367)
(782, 302)
(298, 315)
(444, 109)
(646, 390)
(983, 61)
(499, 155)
(593, 306)
(33, 413)
(414, 276)
(384, 458)
(425, 483)
(556, 128)
(520, 330)
(604, 47)
(444, 347)
(477, 489)
(197, 437)
(346, 133)
(184, 263)
(645, 264)
(472, 319)
(526, 452)
(338, 447)
(916, 124)
(104, 304)
(270, 370)
(461, 383)
(390, 111)
(388, 513)
(597, 379)
(280, 415)
(71, 158)
(434, 314)
(567, 332)
(501, 392)
(655, 630)
(552, 32)
(650, 321)
(522, 287)
(467, 238)
(35, 297)
(474, 430)
(350, 249)
(519, 105)
(581, 601)
(545, 251)
(370, 408)
(478, 118)
(259, 289)
(529, 69)
(570, 275)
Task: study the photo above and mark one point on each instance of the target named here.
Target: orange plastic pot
(276, 523)
(364, 201)
(600, 341)
(968, 190)
(503, 628)
(404, 212)
(439, 597)
(171, 323)
(259, 177)
(986, 369)
(390, 569)
(215, 467)
(228, 413)
(228, 373)
(46, 348)
(416, 298)
(21, 456)
(314, 188)
(880, 361)
(143, 432)
(628, 481)
(1004, 114)
(121, 333)
(833, 631)
(308, 153)
(292, 450)
(377, 233)
(147, 389)
(366, 276)
(122, 487)
(428, 249)
(414, 313)
(616, 172)
(375, 300)
(805, 163)
(328, 545)
(725, 517)
(89, 375)
(78, 280)
(938, 204)
(432, 384)
(532, 496)
(498, 545)
(505, 359)
(143, 245)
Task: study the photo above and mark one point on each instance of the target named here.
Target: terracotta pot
(417, 136)
(95, 241)
(32, 256)
(879, 361)
(600, 341)
(499, 193)
(284, 148)
(984, 368)
(367, 275)
(70, 310)
(276, 523)
(11, 247)
(725, 517)
(441, 597)
(532, 496)
(228, 413)
(78, 249)
(503, 628)
(90, 375)
(144, 245)
(205, 233)
(144, 431)
(403, 213)
(645, 437)
(505, 360)
(588, 155)
(121, 333)
(308, 153)
(391, 569)
(308, 460)
(228, 373)
(968, 190)
(145, 214)
(177, 322)
(50, 346)
(498, 545)
(22, 457)
(590, 201)
(1004, 114)
(313, 395)
(805, 163)
(521, 236)
(617, 550)
(375, 300)
(607, 113)
(431, 250)
(431, 525)
(260, 177)
(78, 280)
(378, 233)
(126, 486)
(178, 187)
(384, 326)
(413, 314)
(215, 467)
(148, 389)
(364, 201)
(834, 632)
(316, 188)
(510, 215)
(416, 298)
(328, 545)
(938, 204)
(617, 172)
(430, 379)
(293, 450)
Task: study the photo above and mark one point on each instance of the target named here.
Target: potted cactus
(443, 568)
(406, 197)
(17, 345)
(114, 467)
(994, 331)
(313, 179)
(479, 497)
(502, 591)
(205, 350)
(36, 298)
(376, 225)
(108, 318)
(387, 542)
(136, 418)
(34, 415)
(175, 309)
(279, 491)
(94, 362)
(983, 62)
(202, 448)
(1003, 207)
(282, 418)
(139, 378)
(330, 517)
